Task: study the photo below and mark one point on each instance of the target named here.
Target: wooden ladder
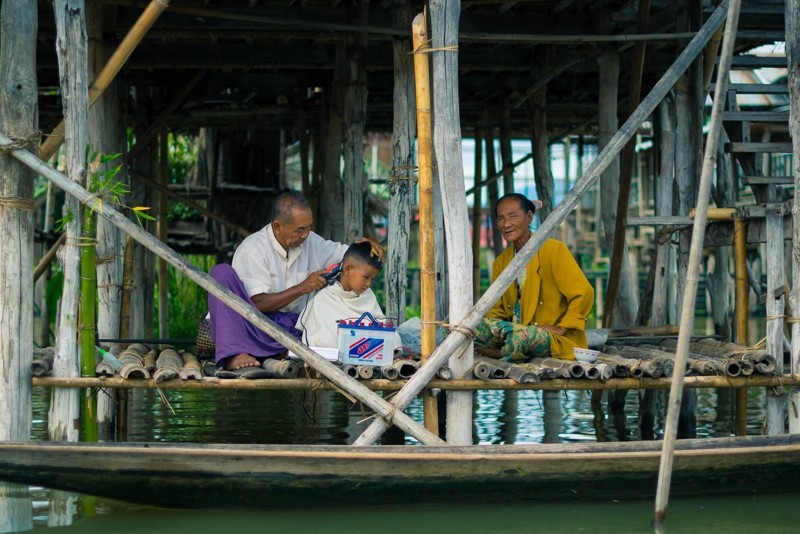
(741, 125)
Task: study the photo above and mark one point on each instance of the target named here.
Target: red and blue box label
(366, 343)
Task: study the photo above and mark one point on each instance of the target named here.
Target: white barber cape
(318, 319)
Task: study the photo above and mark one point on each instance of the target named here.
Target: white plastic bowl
(585, 355)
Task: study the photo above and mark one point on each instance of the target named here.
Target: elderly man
(277, 268)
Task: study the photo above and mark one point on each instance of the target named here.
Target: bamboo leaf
(110, 157)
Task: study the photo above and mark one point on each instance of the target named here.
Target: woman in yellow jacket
(544, 312)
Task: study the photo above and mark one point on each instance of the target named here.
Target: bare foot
(241, 360)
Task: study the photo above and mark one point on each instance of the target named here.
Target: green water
(762, 514)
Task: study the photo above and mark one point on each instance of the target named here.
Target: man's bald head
(283, 210)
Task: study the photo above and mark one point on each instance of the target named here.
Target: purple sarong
(232, 333)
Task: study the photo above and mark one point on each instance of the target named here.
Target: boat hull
(252, 476)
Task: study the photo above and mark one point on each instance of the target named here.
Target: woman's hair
(362, 253)
(523, 201)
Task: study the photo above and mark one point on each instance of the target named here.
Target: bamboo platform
(565, 384)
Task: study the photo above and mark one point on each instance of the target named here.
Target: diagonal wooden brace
(385, 410)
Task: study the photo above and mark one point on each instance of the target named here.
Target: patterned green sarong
(517, 342)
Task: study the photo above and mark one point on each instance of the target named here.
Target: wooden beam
(793, 68)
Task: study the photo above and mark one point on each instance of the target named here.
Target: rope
(21, 142)
(775, 317)
(79, 241)
(425, 48)
(792, 320)
(22, 204)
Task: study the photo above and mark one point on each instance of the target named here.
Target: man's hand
(314, 282)
(377, 248)
(557, 330)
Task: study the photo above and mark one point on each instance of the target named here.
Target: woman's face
(514, 223)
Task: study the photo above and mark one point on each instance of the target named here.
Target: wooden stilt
(698, 232)
(332, 224)
(477, 215)
(447, 141)
(776, 402)
(401, 187)
(545, 188)
(506, 155)
(355, 116)
(18, 116)
(492, 188)
(71, 48)
(626, 176)
(793, 69)
(163, 269)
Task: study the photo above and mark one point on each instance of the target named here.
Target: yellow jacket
(555, 292)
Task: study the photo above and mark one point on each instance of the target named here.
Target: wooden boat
(266, 476)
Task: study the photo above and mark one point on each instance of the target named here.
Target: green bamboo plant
(104, 187)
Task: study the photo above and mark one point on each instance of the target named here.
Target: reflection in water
(16, 509)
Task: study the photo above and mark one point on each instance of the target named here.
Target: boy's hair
(362, 253)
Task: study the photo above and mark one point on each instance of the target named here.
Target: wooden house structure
(253, 77)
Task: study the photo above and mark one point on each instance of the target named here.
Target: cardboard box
(332, 355)
(366, 342)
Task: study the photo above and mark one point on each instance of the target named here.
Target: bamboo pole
(508, 384)
(111, 69)
(695, 258)
(88, 309)
(740, 263)
(245, 309)
(457, 339)
(426, 244)
(792, 11)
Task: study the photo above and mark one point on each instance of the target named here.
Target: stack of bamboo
(647, 360)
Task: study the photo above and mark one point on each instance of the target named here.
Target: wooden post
(695, 259)
(18, 116)
(332, 224)
(163, 269)
(426, 243)
(401, 187)
(776, 403)
(658, 313)
(141, 284)
(71, 46)
(107, 136)
(545, 188)
(793, 69)
(740, 262)
(355, 116)
(109, 72)
(626, 305)
(457, 340)
(506, 154)
(719, 282)
(385, 410)
(491, 188)
(618, 247)
(477, 215)
(447, 140)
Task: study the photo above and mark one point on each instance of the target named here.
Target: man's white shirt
(264, 266)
